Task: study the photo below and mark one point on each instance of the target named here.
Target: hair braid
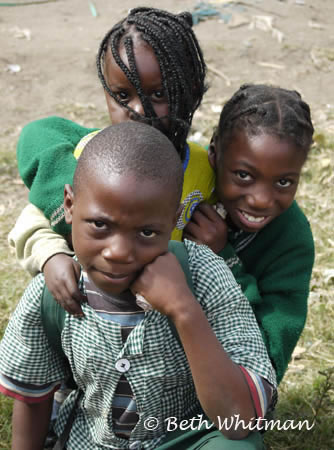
(180, 60)
(258, 109)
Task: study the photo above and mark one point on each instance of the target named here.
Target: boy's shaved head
(131, 147)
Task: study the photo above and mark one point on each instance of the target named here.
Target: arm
(30, 423)
(34, 241)
(278, 281)
(228, 394)
(218, 345)
(39, 248)
(46, 163)
(274, 272)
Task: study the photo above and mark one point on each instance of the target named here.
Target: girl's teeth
(251, 218)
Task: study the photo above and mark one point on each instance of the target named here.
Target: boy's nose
(119, 249)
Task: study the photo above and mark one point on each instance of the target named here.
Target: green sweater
(46, 163)
(274, 269)
(273, 266)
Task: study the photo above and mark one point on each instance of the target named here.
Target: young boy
(127, 363)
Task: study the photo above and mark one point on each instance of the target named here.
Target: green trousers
(209, 440)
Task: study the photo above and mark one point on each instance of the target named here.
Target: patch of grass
(307, 391)
(12, 279)
(6, 405)
(310, 405)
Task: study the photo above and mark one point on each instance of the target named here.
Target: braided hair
(258, 109)
(181, 64)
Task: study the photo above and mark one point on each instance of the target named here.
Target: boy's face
(151, 82)
(119, 225)
(257, 177)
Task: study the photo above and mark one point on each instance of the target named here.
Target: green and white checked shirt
(151, 358)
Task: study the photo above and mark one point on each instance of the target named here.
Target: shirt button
(122, 365)
(136, 445)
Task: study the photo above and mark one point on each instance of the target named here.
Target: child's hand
(61, 274)
(207, 227)
(163, 284)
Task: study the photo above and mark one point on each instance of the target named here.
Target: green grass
(307, 391)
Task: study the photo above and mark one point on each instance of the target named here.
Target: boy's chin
(112, 286)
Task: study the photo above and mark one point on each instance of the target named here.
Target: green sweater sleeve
(274, 271)
(46, 163)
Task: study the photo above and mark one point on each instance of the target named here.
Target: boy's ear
(212, 155)
(68, 203)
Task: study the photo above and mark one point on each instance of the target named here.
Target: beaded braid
(258, 109)
(180, 60)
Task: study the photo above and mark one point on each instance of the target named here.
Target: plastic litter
(316, 25)
(21, 33)
(265, 23)
(217, 8)
(93, 9)
(13, 68)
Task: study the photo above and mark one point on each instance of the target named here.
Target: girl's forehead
(145, 60)
(264, 150)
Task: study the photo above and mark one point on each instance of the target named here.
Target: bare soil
(47, 60)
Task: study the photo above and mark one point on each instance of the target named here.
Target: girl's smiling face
(257, 177)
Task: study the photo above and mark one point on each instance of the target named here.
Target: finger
(198, 217)
(192, 229)
(70, 298)
(71, 307)
(208, 211)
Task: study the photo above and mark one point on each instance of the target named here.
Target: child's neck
(124, 301)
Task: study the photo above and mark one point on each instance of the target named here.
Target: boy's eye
(148, 233)
(243, 175)
(283, 182)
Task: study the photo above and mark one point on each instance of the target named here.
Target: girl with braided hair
(152, 69)
(258, 151)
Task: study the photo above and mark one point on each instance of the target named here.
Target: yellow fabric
(198, 185)
(83, 142)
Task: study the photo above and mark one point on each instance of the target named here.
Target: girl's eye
(147, 233)
(99, 224)
(243, 175)
(283, 182)
(122, 96)
(158, 94)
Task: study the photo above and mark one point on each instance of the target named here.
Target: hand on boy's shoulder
(62, 274)
(163, 284)
(207, 227)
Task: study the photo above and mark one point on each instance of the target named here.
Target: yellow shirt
(198, 185)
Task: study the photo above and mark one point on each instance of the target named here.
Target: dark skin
(24, 424)
(229, 393)
(121, 231)
(61, 271)
(257, 180)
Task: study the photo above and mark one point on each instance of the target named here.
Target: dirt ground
(47, 67)
(47, 60)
